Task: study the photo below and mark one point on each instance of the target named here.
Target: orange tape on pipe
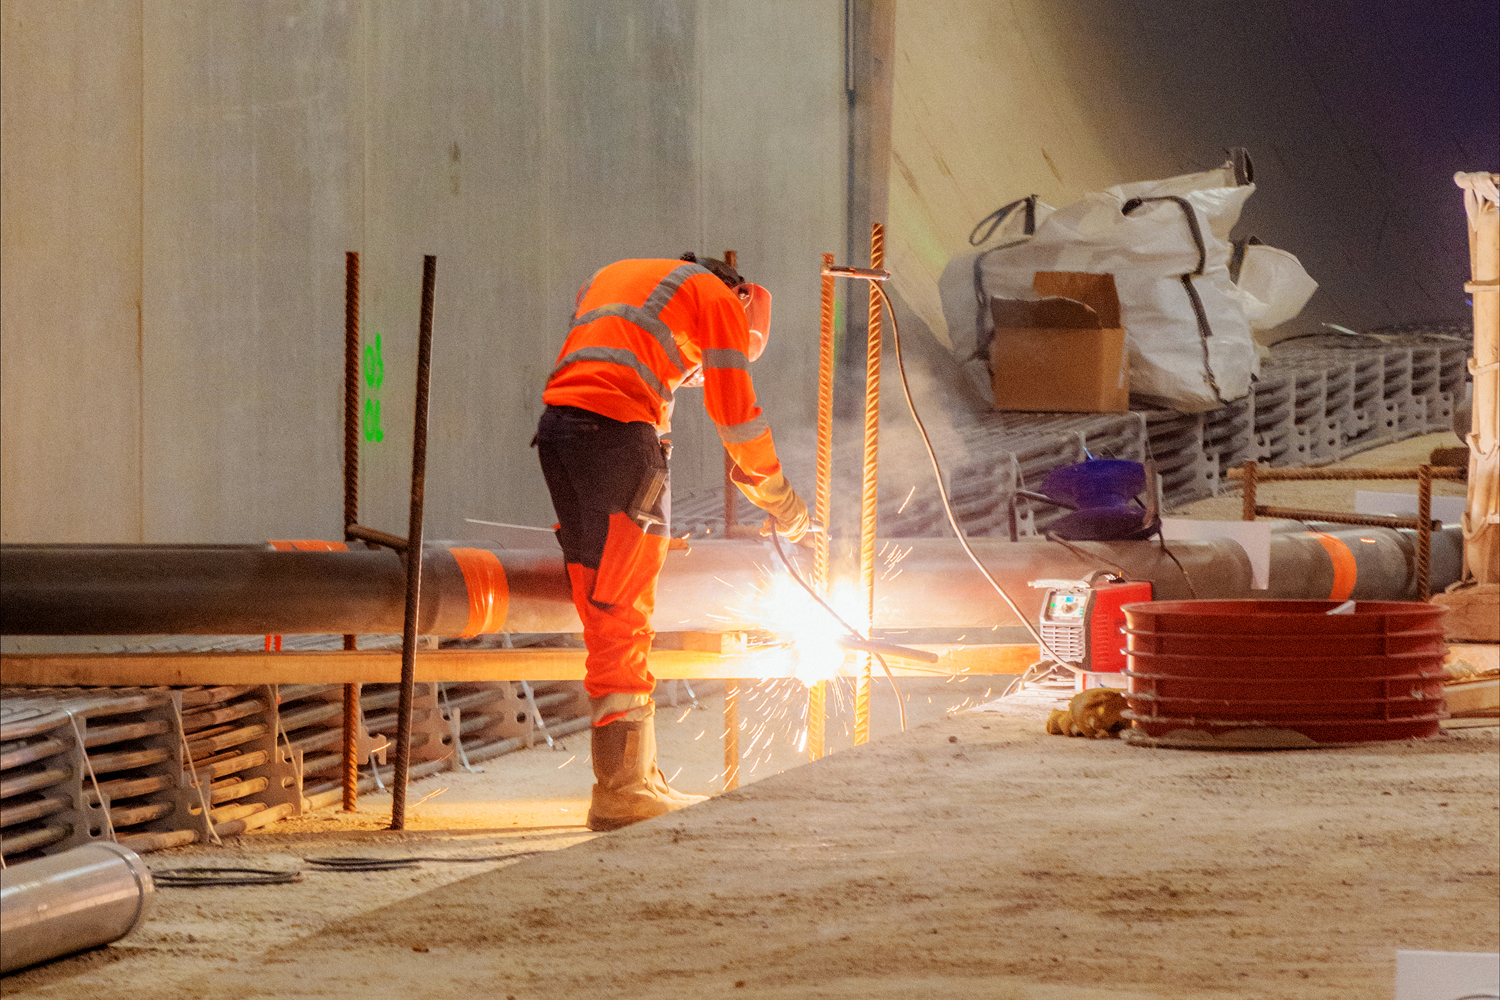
(1345, 571)
(489, 593)
(308, 545)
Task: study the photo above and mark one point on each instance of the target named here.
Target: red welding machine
(1082, 622)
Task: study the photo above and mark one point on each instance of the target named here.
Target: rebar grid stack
(163, 767)
(1318, 400)
(149, 768)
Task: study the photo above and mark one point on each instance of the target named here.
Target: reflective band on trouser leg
(308, 545)
(628, 705)
(1345, 571)
(489, 593)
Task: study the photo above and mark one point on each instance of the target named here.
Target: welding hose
(900, 707)
(193, 878)
(937, 473)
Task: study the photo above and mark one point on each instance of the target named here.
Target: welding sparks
(807, 636)
(429, 795)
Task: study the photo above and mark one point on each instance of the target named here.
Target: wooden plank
(459, 665)
(1473, 699)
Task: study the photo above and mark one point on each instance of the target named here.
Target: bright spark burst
(808, 637)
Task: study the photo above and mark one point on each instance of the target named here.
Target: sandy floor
(972, 856)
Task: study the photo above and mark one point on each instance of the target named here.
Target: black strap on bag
(1204, 330)
(989, 224)
(1237, 256)
(1244, 170)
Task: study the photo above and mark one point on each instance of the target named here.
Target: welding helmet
(757, 302)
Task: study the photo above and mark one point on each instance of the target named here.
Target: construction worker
(641, 330)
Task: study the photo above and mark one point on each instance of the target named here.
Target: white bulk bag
(1167, 244)
(1273, 284)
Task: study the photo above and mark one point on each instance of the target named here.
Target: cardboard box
(1064, 352)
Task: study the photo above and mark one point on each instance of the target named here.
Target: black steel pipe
(245, 590)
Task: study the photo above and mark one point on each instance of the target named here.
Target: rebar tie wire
(187, 756)
(88, 765)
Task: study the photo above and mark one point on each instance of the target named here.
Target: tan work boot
(628, 786)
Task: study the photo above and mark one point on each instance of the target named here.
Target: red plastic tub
(1282, 673)
(1383, 644)
(1239, 694)
(1252, 618)
(1313, 666)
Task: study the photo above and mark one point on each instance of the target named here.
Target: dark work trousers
(595, 467)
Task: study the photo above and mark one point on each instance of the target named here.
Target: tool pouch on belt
(635, 545)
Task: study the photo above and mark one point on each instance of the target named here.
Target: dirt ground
(970, 856)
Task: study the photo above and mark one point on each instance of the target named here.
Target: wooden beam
(384, 666)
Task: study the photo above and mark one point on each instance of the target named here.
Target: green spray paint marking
(374, 379)
(374, 365)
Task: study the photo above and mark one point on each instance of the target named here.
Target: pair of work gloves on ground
(776, 497)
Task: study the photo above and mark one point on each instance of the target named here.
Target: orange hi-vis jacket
(640, 329)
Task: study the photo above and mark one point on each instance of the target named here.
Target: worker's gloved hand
(776, 497)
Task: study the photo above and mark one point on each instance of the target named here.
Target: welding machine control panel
(1066, 605)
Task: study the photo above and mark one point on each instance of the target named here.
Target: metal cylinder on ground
(68, 902)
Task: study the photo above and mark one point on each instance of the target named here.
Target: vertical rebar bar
(868, 493)
(731, 497)
(817, 694)
(824, 488)
(731, 735)
(1248, 511)
(351, 740)
(1424, 532)
(351, 504)
(731, 492)
(731, 687)
(414, 549)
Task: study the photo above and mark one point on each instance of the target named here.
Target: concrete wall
(181, 181)
(1357, 114)
(70, 256)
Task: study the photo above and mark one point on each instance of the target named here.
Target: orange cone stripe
(1345, 571)
(489, 594)
(308, 545)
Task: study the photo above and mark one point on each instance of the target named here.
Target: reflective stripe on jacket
(643, 326)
